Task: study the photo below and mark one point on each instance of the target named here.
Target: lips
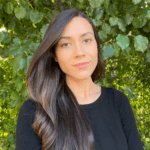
(83, 63)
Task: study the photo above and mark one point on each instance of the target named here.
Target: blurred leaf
(128, 19)
(96, 3)
(112, 9)
(113, 21)
(43, 30)
(22, 63)
(14, 95)
(20, 12)
(123, 41)
(6, 38)
(136, 1)
(36, 16)
(121, 25)
(140, 43)
(148, 15)
(148, 56)
(106, 28)
(19, 86)
(16, 41)
(9, 7)
(1, 36)
(108, 51)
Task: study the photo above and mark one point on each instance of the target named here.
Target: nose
(79, 49)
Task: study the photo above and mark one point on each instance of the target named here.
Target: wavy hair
(60, 122)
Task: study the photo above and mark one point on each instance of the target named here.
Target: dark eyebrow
(68, 37)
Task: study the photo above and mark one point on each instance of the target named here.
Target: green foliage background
(124, 29)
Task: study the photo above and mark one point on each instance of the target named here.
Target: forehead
(82, 35)
(78, 27)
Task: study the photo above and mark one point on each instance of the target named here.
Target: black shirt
(111, 118)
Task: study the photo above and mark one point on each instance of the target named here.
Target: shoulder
(118, 96)
(28, 105)
(114, 92)
(27, 110)
(29, 102)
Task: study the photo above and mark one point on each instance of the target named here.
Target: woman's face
(79, 46)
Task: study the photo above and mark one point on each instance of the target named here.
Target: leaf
(49, 15)
(105, 82)
(16, 41)
(112, 9)
(129, 91)
(1, 36)
(35, 16)
(98, 13)
(6, 38)
(121, 25)
(96, 22)
(117, 50)
(24, 3)
(140, 43)
(13, 51)
(108, 50)
(9, 7)
(16, 66)
(24, 91)
(33, 47)
(144, 22)
(14, 95)
(22, 63)
(28, 60)
(19, 86)
(122, 41)
(106, 28)
(1, 6)
(113, 21)
(136, 1)
(102, 35)
(55, 12)
(96, 3)
(12, 24)
(2, 72)
(4, 52)
(106, 3)
(15, 102)
(126, 51)
(36, 2)
(128, 19)
(131, 8)
(3, 89)
(20, 12)
(47, 2)
(148, 56)
(137, 22)
(13, 112)
(147, 16)
(28, 10)
(43, 30)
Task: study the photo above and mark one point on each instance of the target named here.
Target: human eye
(62, 45)
(88, 40)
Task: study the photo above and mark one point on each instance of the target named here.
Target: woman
(66, 109)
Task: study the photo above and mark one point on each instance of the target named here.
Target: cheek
(93, 51)
(63, 60)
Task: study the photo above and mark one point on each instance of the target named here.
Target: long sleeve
(26, 139)
(129, 124)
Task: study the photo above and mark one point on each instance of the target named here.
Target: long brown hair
(60, 121)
